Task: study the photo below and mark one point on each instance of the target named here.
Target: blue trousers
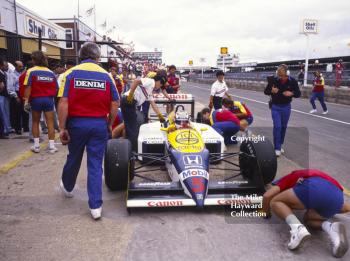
(217, 102)
(249, 120)
(145, 110)
(130, 121)
(226, 129)
(92, 134)
(5, 114)
(280, 117)
(320, 97)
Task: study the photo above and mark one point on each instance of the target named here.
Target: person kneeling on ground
(317, 193)
(224, 122)
(239, 109)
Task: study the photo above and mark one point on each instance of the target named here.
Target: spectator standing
(173, 81)
(4, 101)
(16, 110)
(339, 67)
(281, 89)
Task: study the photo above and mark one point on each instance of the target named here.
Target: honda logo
(192, 160)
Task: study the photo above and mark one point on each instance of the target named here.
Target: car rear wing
(179, 98)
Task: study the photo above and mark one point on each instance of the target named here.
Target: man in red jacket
(317, 193)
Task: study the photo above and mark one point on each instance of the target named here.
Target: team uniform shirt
(222, 116)
(89, 89)
(173, 81)
(42, 80)
(292, 179)
(118, 119)
(218, 89)
(144, 91)
(318, 84)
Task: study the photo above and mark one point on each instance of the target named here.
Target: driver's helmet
(182, 120)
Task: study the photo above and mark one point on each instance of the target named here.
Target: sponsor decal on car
(194, 173)
(233, 182)
(192, 160)
(153, 184)
(178, 97)
(211, 141)
(89, 84)
(231, 202)
(153, 141)
(187, 138)
(167, 203)
(186, 141)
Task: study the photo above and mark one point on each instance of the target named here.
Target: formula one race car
(189, 155)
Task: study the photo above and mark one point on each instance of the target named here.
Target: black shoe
(18, 132)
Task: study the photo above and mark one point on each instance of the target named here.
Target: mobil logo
(194, 173)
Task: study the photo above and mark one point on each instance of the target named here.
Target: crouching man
(317, 193)
(224, 122)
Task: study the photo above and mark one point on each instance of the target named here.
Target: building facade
(148, 57)
(226, 61)
(17, 20)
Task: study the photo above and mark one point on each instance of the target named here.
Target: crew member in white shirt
(218, 91)
(140, 91)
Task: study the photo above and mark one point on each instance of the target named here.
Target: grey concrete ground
(38, 223)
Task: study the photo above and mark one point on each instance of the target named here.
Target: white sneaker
(96, 213)
(338, 238)
(298, 237)
(282, 151)
(66, 193)
(278, 153)
(325, 112)
(313, 111)
(53, 150)
(35, 149)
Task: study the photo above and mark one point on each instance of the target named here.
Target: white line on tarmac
(301, 112)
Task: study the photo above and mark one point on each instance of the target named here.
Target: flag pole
(95, 20)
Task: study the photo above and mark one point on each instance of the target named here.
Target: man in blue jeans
(318, 93)
(281, 89)
(4, 102)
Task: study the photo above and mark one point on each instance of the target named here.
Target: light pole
(307, 58)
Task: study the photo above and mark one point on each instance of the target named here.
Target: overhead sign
(190, 62)
(223, 50)
(309, 26)
(33, 26)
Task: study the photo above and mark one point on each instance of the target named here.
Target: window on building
(69, 36)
